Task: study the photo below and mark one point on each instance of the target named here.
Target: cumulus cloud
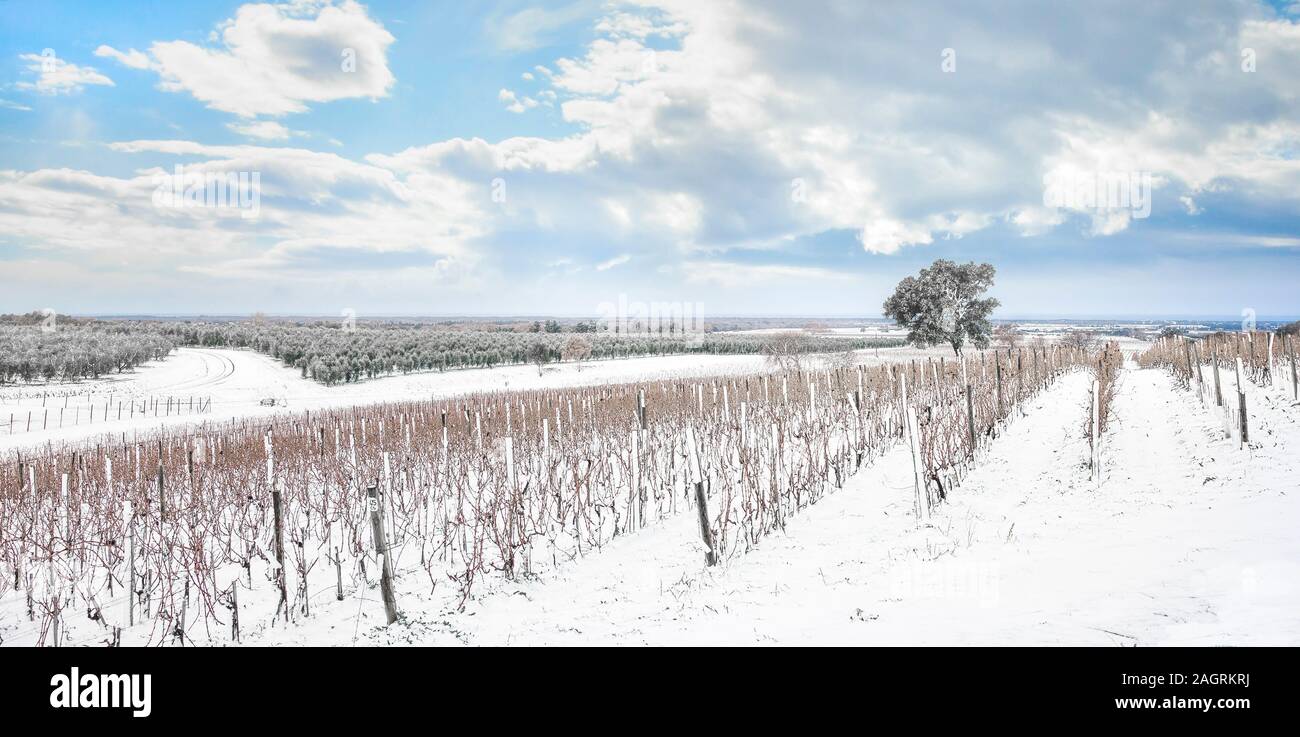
(514, 103)
(320, 214)
(276, 59)
(887, 236)
(55, 76)
(131, 58)
(265, 130)
(887, 144)
(698, 130)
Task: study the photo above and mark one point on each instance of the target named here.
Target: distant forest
(38, 346)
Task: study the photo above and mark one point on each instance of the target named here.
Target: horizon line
(1022, 317)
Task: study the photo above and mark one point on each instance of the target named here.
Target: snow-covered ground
(1187, 539)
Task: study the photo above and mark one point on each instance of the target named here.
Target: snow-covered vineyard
(1042, 494)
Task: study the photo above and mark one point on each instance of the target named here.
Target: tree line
(74, 352)
(332, 354)
(33, 349)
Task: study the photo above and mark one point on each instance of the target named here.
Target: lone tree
(784, 350)
(577, 349)
(1079, 338)
(1007, 334)
(539, 354)
(943, 304)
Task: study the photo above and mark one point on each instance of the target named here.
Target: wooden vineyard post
(130, 548)
(1295, 380)
(518, 527)
(997, 366)
(922, 501)
(970, 419)
(66, 512)
(279, 547)
(1096, 431)
(634, 485)
(338, 573)
(1245, 428)
(701, 500)
(858, 422)
(162, 500)
(902, 405)
(234, 609)
(1241, 402)
(702, 505)
(1200, 376)
(1271, 382)
(381, 547)
(1218, 390)
(1020, 379)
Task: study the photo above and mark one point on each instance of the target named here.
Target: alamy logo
(673, 318)
(187, 188)
(92, 690)
(1101, 190)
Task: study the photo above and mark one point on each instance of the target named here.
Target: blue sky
(751, 157)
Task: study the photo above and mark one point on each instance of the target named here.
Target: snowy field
(1188, 539)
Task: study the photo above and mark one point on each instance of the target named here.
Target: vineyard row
(172, 535)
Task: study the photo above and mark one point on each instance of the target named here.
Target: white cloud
(687, 144)
(1033, 220)
(314, 208)
(611, 263)
(531, 28)
(678, 212)
(131, 58)
(264, 130)
(11, 105)
(759, 94)
(638, 26)
(887, 236)
(275, 59)
(54, 76)
(514, 103)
